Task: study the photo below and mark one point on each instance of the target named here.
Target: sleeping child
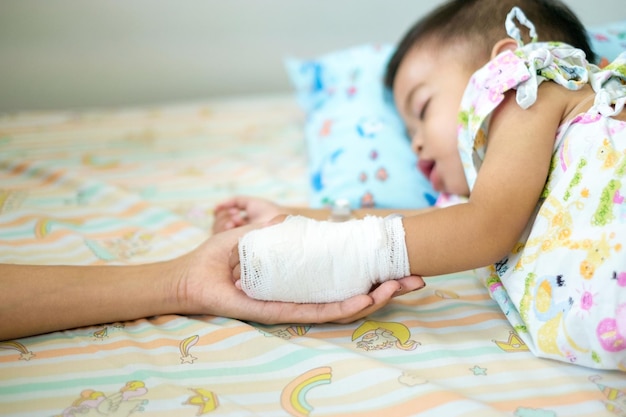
(534, 137)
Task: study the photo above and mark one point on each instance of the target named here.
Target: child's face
(427, 92)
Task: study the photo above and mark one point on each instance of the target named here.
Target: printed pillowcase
(608, 41)
(357, 146)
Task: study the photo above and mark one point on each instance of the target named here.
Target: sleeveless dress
(563, 286)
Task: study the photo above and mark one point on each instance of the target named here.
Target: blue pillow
(357, 146)
(608, 41)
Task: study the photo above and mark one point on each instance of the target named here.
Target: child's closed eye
(422, 112)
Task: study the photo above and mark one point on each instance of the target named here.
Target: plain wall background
(63, 54)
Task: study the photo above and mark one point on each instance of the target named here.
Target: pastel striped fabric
(137, 185)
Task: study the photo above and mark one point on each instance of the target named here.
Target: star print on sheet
(478, 371)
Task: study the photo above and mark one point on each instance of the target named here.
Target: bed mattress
(135, 185)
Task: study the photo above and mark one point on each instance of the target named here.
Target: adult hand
(199, 282)
(207, 287)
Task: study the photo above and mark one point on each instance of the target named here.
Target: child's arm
(507, 189)
(303, 261)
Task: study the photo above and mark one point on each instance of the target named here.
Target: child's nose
(416, 144)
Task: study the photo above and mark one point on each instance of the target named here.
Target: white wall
(86, 53)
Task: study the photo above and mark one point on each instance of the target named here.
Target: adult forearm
(41, 299)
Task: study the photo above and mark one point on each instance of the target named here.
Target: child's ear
(503, 45)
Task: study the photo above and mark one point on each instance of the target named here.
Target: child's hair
(480, 23)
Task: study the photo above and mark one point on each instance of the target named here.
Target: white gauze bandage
(306, 261)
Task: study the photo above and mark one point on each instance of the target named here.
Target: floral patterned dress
(563, 286)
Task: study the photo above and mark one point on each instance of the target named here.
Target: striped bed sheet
(134, 185)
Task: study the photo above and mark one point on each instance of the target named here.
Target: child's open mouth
(426, 167)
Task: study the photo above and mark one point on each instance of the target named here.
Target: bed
(136, 185)
(139, 184)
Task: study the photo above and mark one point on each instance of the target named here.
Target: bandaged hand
(307, 261)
